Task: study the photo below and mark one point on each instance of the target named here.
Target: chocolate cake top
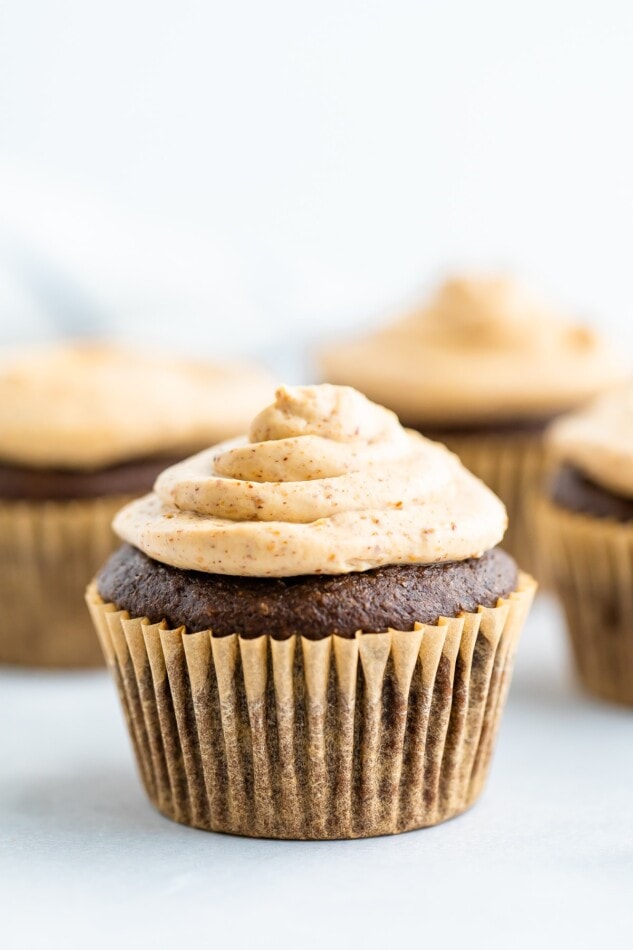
(395, 597)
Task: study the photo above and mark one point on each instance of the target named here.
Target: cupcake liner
(301, 738)
(49, 550)
(513, 466)
(589, 563)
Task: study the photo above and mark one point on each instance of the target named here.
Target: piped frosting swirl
(327, 482)
(481, 350)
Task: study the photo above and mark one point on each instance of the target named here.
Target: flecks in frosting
(598, 441)
(327, 482)
(481, 350)
(87, 406)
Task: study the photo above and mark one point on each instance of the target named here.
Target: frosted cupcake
(587, 523)
(483, 367)
(312, 629)
(84, 428)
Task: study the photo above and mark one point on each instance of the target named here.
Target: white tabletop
(546, 855)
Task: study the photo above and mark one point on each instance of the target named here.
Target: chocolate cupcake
(586, 521)
(312, 630)
(84, 428)
(482, 368)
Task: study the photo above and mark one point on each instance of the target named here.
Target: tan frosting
(599, 441)
(92, 405)
(481, 350)
(327, 482)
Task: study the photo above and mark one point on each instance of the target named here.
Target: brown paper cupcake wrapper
(589, 563)
(333, 738)
(514, 466)
(48, 552)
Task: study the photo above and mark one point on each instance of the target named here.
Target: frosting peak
(327, 482)
(339, 413)
(493, 312)
(313, 432)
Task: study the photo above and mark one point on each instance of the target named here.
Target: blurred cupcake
(311, 630)
(483, 367)
(84, 428)
(586, 523)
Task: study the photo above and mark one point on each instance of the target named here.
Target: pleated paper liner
(49, 550)
(300, 738)
(590, 566)
(513, 466)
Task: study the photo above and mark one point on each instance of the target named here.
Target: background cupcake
(82, 429)
(311, 630)
(483, 367)
(586, 523)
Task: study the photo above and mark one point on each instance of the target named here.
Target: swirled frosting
(482, 350)
(87, 406)
(327, 482)
(598, 441)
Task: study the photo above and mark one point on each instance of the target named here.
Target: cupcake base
(314, 739)
(590, 566)
(48, 552)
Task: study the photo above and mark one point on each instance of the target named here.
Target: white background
(238, 174)
(255, 176)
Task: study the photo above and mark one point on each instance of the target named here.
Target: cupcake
(482, 367)
(586, 522)
(83, 428)
(311, 629)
